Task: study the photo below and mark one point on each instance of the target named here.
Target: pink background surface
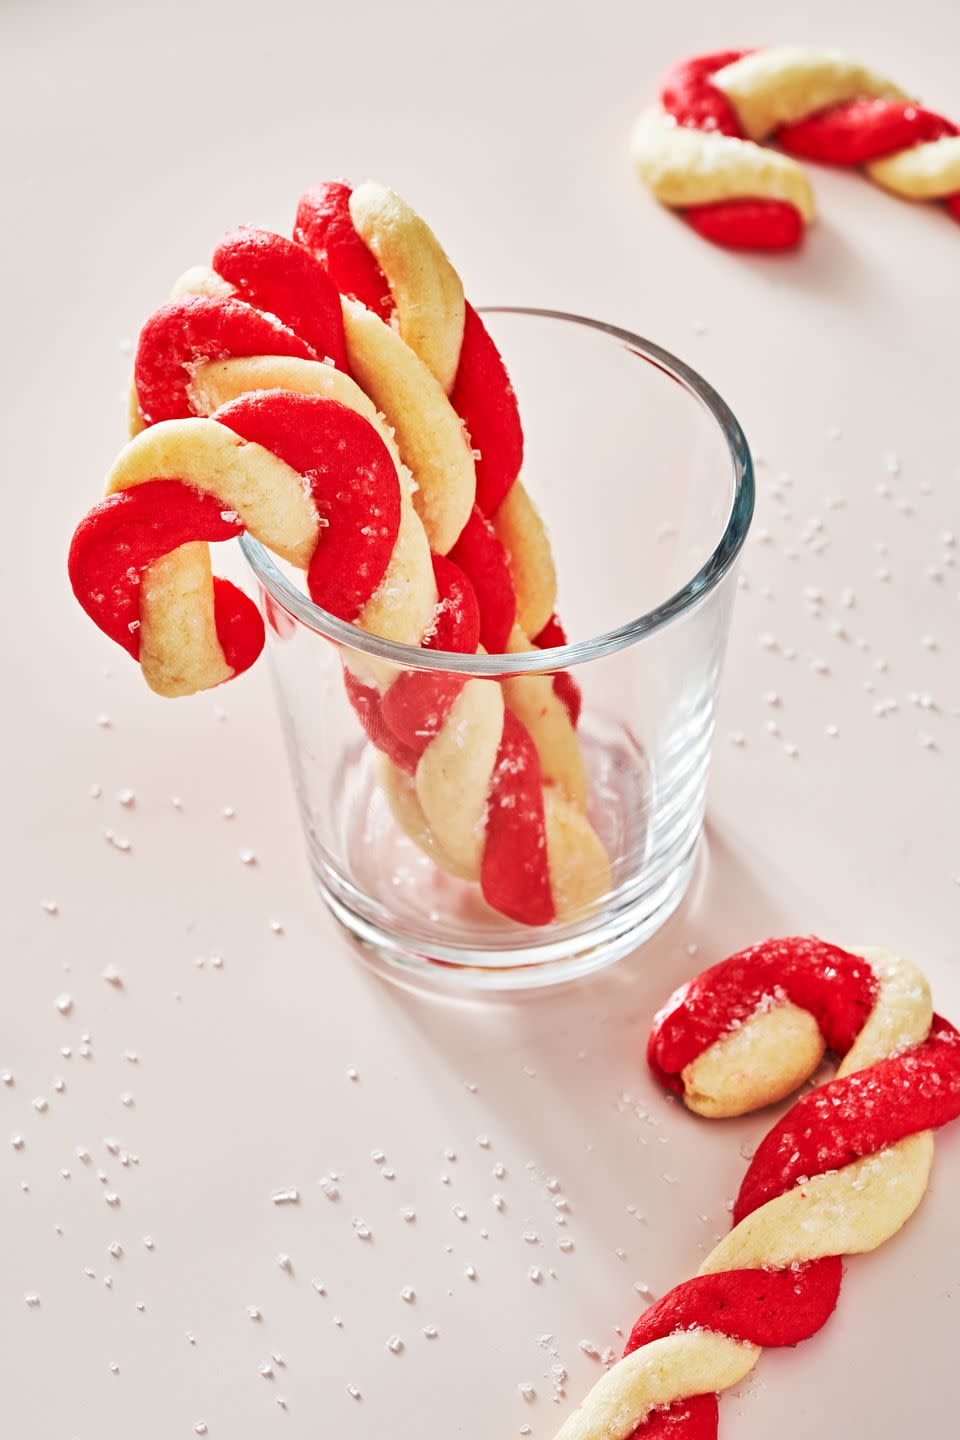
(140, 141)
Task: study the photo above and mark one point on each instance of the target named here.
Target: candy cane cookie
(839, 1174)
(267, 314)
(314, 481)
(381, 254)
(702, 150)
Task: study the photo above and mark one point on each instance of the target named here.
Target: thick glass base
(592, 944)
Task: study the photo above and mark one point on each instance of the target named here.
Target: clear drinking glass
(644, 479)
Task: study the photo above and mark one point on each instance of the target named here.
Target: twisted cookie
(699, 150)
(378, 251)
(268, 314)
(838, 1175)
(314, 481)
(413, 341)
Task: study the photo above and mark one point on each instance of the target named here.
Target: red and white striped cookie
(702, 150)
(315, 482)
(268, 314)
(840, 1174)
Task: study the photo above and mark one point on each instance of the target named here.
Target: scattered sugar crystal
(470, 1272)
(353, 1392)
(40, 1104)
(395, 1344)
(430, 1331)
(526, 1390)
(535, 1274)
(290, 1196)
(254, 1312)
(64, 1004)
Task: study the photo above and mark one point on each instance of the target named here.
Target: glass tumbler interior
(644, 481)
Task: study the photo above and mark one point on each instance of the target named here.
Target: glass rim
(561, 657)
